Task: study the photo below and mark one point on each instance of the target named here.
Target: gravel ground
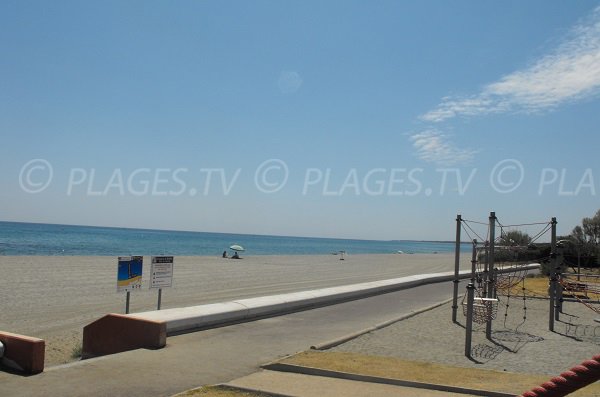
(516, 345)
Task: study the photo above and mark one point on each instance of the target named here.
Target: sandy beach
(53, 298)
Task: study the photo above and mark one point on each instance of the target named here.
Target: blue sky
(376, 120)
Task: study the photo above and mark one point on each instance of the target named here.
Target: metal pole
(485, 267)
(469, 325)
(559, 299)
(553, 277)
(490, 280)
(491, 252)
(470, 299)
(551, 311)
(127, 302)
(559, 289)
(159, 298)
(556, 266)
(456, 268)
(474, 262)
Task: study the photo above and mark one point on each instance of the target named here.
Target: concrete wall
(23, 353)
(115, 333)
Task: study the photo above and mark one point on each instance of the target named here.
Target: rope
(468, 234)
(528, 224)
(507, 283)
(479, 223)
(576, 378)
(547, 227)
(473, 231)
(540, 234)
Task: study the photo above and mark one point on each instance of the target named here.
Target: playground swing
(484, 309)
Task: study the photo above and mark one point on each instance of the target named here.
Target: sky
(350, 119)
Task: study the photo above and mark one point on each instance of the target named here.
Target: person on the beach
(235, 256)
(224, 254)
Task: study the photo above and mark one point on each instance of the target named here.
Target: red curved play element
(576, 378)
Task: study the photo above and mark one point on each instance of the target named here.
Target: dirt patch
(219, 391)
(389, 367)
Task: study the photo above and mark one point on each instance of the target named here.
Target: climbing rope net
(504, 278)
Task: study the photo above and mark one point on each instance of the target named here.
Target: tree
(515, 237)
(578, 235)
(591, 229)
(586, 240)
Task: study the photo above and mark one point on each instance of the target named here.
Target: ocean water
(45, 239)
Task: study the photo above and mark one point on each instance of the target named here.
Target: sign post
(161, 274)
(129, 276)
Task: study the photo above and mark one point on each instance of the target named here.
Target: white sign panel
(161, 273)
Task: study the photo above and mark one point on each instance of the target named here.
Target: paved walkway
(297, 385)
(218, 355)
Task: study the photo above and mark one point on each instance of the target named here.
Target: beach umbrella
(237, 247)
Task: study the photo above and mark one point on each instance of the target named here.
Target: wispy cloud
(434, 146)
(571, 72)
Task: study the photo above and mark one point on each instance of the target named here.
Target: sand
(53, 297)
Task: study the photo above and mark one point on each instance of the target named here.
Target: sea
(18, 238)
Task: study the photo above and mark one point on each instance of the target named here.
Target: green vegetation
(583, 244)
(515, 237)
(77, 350)
(581, 248)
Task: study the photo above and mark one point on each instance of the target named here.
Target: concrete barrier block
(204, 316)
(23, 353)
(265, 305)
(195, 317)
(217, 313)
(116, 333)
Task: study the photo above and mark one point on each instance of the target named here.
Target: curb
(380, 380)
(234, 388)
(251, 390)
(354, 335)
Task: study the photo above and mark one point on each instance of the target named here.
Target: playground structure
(497, 270)
(498, 266)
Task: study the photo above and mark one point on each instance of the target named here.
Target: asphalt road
(220, 354)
